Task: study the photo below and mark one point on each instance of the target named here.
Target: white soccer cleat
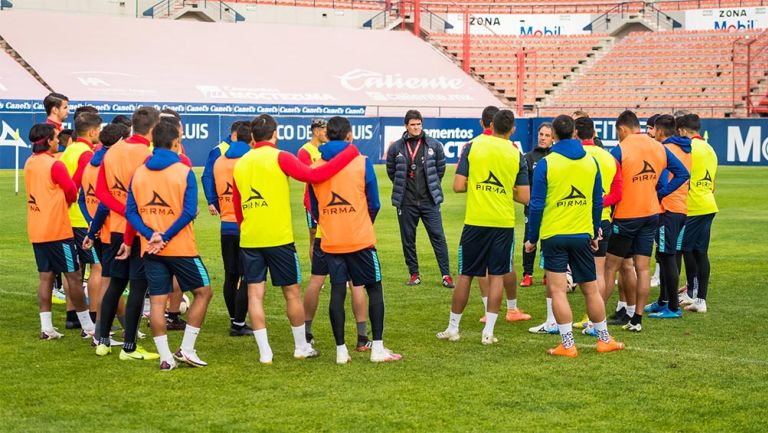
(488, 339)
(545, 328)
(684, 299)
(50, 334)
(343, 358)
(189, 358)
(449, 335)
(306, 352)
(384, 355)
(698, 306)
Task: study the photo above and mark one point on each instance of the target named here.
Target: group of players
(138, 180)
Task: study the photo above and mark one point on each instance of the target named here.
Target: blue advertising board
(736, 141)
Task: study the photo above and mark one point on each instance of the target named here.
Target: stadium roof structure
(16, 82)
(125, 59)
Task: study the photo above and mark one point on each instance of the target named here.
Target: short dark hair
(112, 133)
(263, 127)
(338, 128)
(503, 122)
(628, 119)
(666, 125)
(563, 127)
(166, 112)
(412, 115)
(652, 120)
(544, 125)
(64, 136)
(237, 123)
(163, 135)
(86, 121)
(40, 135)
(170, 120)
(122, 119)
(585, 128)
(85, 109)
(243, 132)
(53, 100)
(691, 122)
(144, 119)
(488, 113)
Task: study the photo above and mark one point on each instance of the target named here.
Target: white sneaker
(306, 352)
(449, 335)
(489, 339)
(545, 328)
(50, 334)
(384, 355)
(343, 358)
(85, 334)
(698, 306)
(58, 293)
(189, 358)
(684, 299)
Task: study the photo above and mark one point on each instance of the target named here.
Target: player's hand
(212, 210)
(156, 243)
(123, 252)
(87, 243)
(599, 234)
(593, 244)
(529, 247)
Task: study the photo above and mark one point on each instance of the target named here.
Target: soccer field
(706, 372)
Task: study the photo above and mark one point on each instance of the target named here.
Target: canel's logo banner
(521, 25)
(729, 20)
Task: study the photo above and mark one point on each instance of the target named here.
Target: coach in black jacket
(416, 165)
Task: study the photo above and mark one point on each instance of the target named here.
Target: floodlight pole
(466, 41)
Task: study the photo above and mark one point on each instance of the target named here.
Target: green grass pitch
(704, 373)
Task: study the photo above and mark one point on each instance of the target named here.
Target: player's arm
(616, 153)
(83, 206)
(237, 204)
(103, 194)
(82, 162)
(614, 195)
(371, 190)
(391, 159)
(98, 221)
(522, 189)
(304, 157)
(679, 172)
(134, 220)
(597, 202)
(538, 199)
(462, 170)
(189, 212)
(292, 167)
(314, 208)
(60, 177)
(209, 185)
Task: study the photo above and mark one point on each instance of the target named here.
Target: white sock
(566, 334)
(630, 310)
(511, 304)
(453, 322)
(657, 272)
(342, 350)
(265, 352)
(190, 336)
(238, 323)
(550, 313)
(377, 345)
(161, 343)
(299, 336)
(46, 321)
(485, 303)
(602, 330)
(490, 323)
(85, 320)
(620, 305)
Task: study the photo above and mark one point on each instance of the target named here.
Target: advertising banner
(729, 20)
(521, 25)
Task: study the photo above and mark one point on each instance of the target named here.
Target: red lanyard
(412, 153)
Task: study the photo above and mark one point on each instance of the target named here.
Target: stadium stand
(652, 72)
